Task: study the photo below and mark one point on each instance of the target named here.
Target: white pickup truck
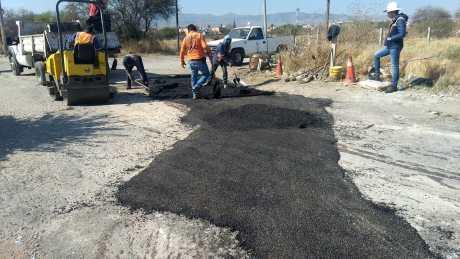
(251, 40)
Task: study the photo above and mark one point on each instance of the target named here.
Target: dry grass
(151, 45)
(439, 60)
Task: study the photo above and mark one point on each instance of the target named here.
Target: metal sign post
(266, 24)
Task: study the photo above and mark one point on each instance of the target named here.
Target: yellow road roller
(76, 75)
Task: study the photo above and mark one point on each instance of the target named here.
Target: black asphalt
(267, 167)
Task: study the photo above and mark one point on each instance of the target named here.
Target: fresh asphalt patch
(267, 167)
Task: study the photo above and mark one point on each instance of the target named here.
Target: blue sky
(255, 6)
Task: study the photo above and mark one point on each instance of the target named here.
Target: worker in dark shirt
(222, 58)
(394, 44)
(129, 62)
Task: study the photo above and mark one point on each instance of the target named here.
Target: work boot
(390, 90)
(217, 92)
(195, 95)
(374, 77)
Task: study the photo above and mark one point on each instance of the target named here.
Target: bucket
(336, 73)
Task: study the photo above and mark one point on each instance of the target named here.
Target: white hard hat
(392, 6)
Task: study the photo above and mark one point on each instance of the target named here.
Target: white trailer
(32, 48)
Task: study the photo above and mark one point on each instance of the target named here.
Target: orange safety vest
(83, 38)
(194, 46)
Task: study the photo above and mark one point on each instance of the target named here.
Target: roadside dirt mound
(272, 174)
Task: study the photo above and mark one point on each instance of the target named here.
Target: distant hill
(243, 20)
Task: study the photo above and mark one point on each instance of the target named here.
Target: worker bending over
(129, 62)
(222, 58)
(394, 44)
(195, 48)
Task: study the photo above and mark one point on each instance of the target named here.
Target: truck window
(256, 34)
(240, 33)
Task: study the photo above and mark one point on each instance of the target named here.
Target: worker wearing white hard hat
(394, 44)
(392, 7)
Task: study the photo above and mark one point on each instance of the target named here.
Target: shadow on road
(267, 167)
(46, 134)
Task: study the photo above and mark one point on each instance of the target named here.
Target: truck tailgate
(33, 43)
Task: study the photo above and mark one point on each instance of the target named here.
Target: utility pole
(2, 31)
(328, 13)
(177, 26)
(266, 24)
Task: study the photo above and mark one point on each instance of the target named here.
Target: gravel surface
(60, 167)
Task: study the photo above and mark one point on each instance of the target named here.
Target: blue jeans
(200, 74)
(394, 56)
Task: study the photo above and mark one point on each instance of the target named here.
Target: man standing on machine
(94, 16)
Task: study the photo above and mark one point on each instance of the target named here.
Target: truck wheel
(281, 47)
(15, 67)
(40, 72)
(237, 57)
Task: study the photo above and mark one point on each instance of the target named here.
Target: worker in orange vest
(196, 49)
(86, 37)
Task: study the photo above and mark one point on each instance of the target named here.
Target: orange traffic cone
(351, 76)
(279, 68)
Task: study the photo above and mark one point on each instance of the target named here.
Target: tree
(440, 21)
(11, 16)
(288, 29)
(457, 19)
(133, 18)
(167, 33)
(75, 12)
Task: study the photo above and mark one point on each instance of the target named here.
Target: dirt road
(265, 180)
